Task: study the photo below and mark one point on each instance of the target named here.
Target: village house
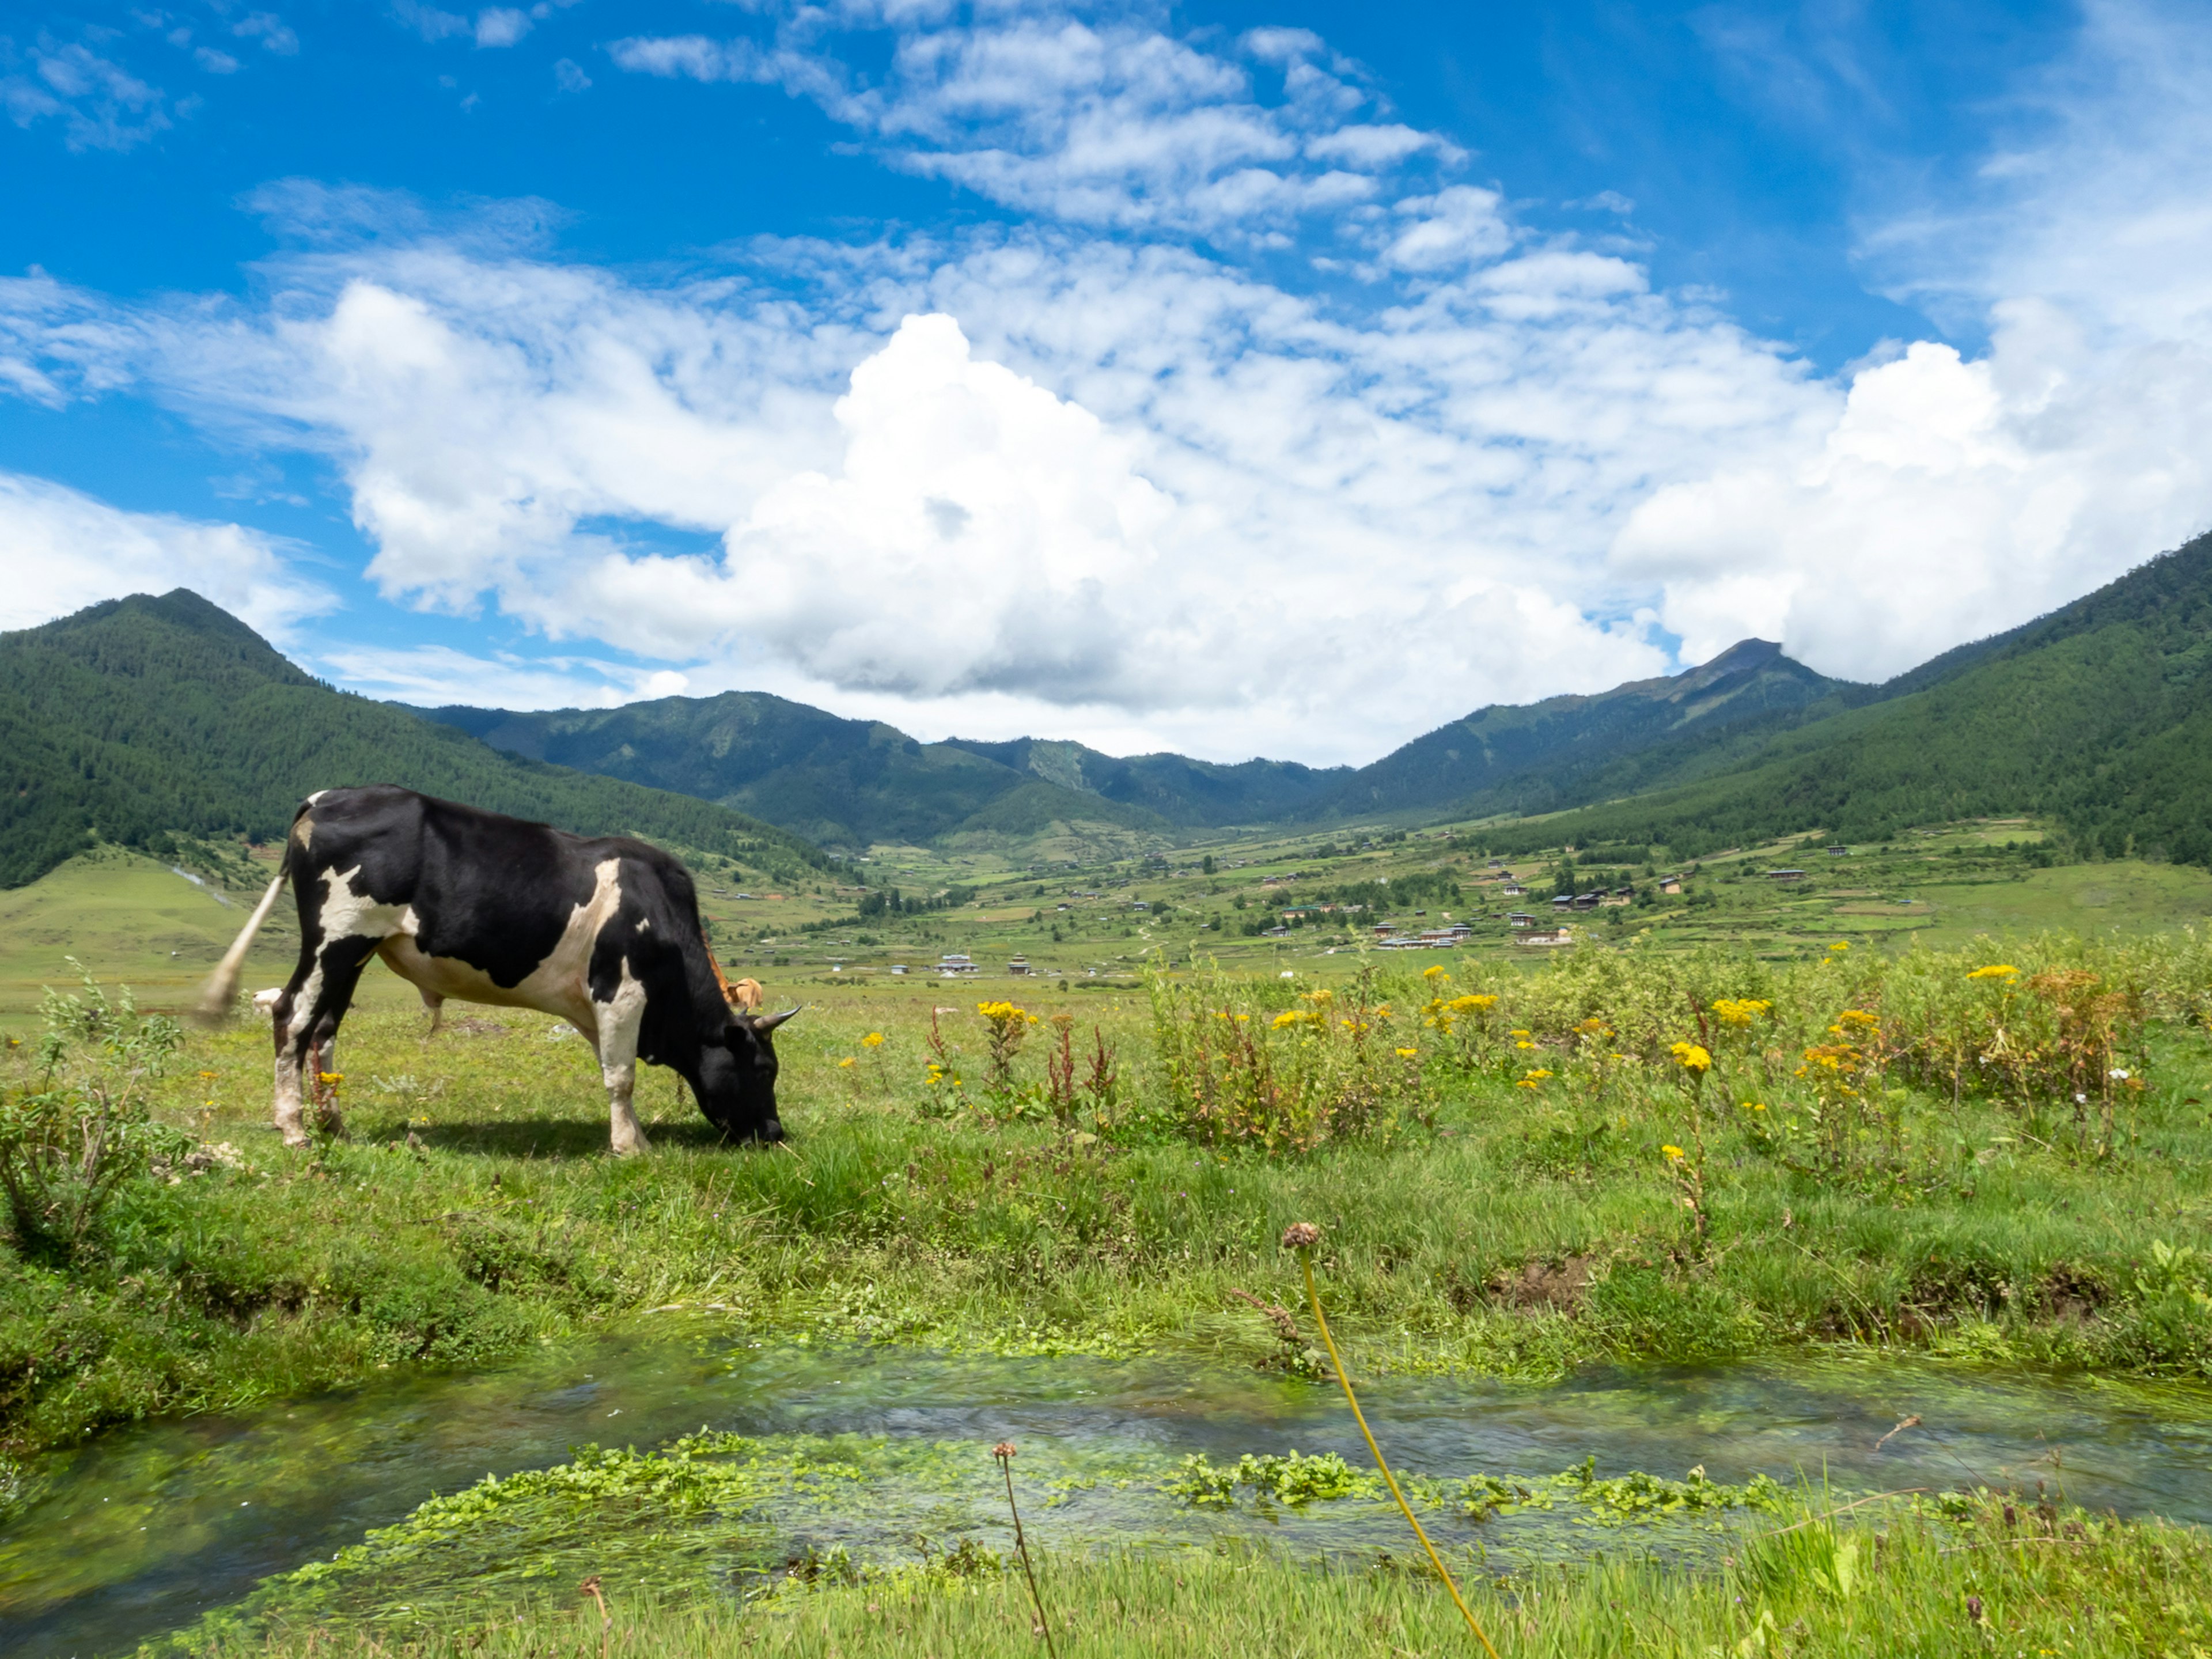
(1670, 884)
(1517, 919)
(1514, 890)
(1551, 938)
(1618, 895)
(1786, 875)
(955, 966)
(1839, 852)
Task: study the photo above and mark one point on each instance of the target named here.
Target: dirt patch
(2072, 1295)
(1561, 1285)
(469, 1025)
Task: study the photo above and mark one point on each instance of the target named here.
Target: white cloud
(435, 676)
(275, 34)
(1949, 497)
(1135, 484)
(501, 26)
(215, 63)
(569, 77)
(63, 551)
(101, 105)
(430, 22)
(1105, 122)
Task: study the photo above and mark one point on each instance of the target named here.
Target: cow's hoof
(637, 1148)
(772, 1130)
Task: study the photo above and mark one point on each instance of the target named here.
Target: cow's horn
(765, 1023)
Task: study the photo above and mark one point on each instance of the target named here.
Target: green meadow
(1752, 1119)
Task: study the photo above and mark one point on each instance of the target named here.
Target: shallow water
(144, 1531)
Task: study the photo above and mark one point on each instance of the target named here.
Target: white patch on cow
(620, 1017)
(347, 913)
(264, 1002)
(558, 985)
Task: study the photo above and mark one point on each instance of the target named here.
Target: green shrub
(83, 1125)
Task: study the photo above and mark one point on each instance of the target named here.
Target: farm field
(1522, 1185)
(132, 918)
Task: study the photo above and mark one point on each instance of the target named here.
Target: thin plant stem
(1344, 1380)
(1005, 1456)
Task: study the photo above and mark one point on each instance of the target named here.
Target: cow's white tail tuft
(222, 984)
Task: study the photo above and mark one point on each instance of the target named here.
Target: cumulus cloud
(1951, 497)
(1123, 472)
(63, 551)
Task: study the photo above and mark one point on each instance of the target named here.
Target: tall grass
(1480, 1215)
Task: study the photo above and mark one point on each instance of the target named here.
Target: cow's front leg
(618, 1020)
(306, 1027)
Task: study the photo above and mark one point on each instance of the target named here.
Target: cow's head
(737, 1078)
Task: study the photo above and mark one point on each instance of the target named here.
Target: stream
(144, 1531)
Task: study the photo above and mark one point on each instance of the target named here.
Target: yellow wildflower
(1740, 1011)
(1464, 1004)
(873, 1040)
(1435, 972)
(1408, 1054)
(1841, 944)
(1995, 970)
(847, 1060)
(1674, 1153)
(1692, 1058)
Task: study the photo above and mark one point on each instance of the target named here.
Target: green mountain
(1524, 759)
(2097, 716)
(142, 718)
(855, 783)
(858, 782)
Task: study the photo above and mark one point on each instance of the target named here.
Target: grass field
(1888, 1580)
(1517, 1189)
(130, 917)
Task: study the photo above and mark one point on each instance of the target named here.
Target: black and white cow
(471, 905)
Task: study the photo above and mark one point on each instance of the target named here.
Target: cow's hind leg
(307, 1029)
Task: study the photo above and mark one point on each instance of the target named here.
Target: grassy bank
(1482, 1217)
(1991, 1576)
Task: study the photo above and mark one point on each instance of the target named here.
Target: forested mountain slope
(2097, 716)
(1528, 757)
(857, 782)
(144, 716)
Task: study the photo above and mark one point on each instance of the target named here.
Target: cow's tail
(222, 984)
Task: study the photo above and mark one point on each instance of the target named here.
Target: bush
(83, 1126)
(1239, 1067)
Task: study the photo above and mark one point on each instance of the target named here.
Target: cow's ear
(763, 1024)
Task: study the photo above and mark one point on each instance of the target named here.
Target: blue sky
(1238, 379)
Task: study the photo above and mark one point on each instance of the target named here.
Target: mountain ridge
(145, 717)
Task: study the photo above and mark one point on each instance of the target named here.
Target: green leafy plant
(83, 1125)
